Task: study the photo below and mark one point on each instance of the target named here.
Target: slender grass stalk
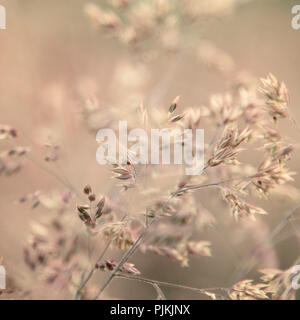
(168, 284)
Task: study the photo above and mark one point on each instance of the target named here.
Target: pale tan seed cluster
(275, 284)
(89, 213)
(270, 175)
(7, 131)
(227, 148)
(279, 283)
(110, 265)
(11, 159)
(135, 23)
(239, 207)
(120, 234)
(276, 96)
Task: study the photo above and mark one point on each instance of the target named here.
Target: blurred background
(52, 60)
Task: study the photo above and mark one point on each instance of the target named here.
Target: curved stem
(214, 184)
(168, 284)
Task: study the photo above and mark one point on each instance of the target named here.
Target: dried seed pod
(177, 118)
(87, 189)
(7, 132)
(83, 215)
(122, 173)
(110, 264)
(100, 266)
(130, 268)
(199, 247)
(100, 206)
(174, 104)
(92, 197)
